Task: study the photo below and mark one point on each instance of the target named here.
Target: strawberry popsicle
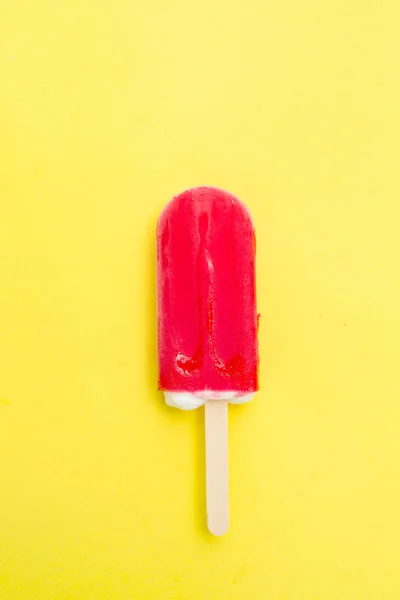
(207, 317)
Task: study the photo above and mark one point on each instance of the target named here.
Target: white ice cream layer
(190, 401)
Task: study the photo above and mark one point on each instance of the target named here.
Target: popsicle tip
(197, 192)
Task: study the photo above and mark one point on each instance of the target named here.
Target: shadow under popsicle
(151, 315)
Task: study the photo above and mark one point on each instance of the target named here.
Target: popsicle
(207, 320)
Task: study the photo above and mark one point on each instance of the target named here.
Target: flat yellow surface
(107, 110)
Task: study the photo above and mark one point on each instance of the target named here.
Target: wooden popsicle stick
(217, 482)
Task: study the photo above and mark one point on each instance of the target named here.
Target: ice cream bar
(206, 302)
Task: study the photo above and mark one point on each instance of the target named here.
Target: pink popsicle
(207, 317)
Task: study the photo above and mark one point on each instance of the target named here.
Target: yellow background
(107, 110)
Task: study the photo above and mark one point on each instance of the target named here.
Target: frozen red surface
(207, 317)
